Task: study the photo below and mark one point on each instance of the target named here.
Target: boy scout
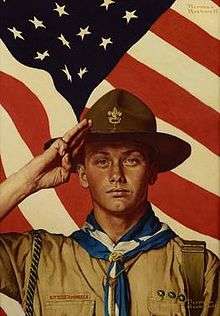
(124, 261)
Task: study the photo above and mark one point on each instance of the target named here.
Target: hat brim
(171, 150)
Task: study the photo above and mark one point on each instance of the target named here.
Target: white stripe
(116, 310)
(103, 238)
(60, 114)
(170, 62)
(110, 300)
(187, 233)
(201, 168)
(111, 290)
(98, 92)
(42, 209)
(112, 273)
(163, 228)
(204, 13)
(10, 306)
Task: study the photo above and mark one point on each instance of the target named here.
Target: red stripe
(187, 203)
(168, 101)
(216, 2)
(26, 111)
(189, 38)
(15, 220)
(75, 199)
(2, 313)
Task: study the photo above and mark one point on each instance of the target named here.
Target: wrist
(26, 185)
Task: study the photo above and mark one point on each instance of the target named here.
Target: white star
(64, 41)
(105, 42)
(106, 4)
(16, 33)
(68, 75)
(37, 23)
(81, 72)
(130, 15)
(41, 56)
(60, 10)
(83, 32)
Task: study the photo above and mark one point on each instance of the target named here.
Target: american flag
(76, 42)
(174, 68)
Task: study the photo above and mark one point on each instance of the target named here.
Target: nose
(117, 174)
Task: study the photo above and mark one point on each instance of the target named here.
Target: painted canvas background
(174, 68)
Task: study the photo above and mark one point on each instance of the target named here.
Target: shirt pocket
(165, 309)
(71, 308)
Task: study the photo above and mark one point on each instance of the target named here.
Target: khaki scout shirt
(71, 282)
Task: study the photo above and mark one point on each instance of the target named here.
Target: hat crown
(119, 111)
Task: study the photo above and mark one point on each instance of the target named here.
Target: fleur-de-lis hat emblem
(114, 116)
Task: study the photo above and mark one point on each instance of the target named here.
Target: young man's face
(117, 176)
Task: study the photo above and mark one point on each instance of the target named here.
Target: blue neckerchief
(148, 233)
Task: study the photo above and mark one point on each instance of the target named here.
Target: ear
(153, 173)
(82, 176)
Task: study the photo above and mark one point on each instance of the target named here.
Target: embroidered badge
(114, 116)
(68, 296)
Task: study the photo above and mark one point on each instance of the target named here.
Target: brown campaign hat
(121, 115)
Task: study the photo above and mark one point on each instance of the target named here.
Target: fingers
(71, 142)
(61, 146)
(77, 139)
(81, 127)
(77, 148)
(58, 148)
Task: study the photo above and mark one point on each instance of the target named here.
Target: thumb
(66, 162)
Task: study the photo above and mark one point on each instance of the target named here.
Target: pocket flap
(71, 308)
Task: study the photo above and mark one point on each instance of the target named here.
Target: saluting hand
(53, 167)
(49, 169)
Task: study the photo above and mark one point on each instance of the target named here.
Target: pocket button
(181, 297)
(161, 293)
(171, 294)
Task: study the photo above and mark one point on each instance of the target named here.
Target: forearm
(14, 190)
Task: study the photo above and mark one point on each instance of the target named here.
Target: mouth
(118, 192)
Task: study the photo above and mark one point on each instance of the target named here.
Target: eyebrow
(97, 152)
(127, 152)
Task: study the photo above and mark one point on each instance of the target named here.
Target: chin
(119, 207)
